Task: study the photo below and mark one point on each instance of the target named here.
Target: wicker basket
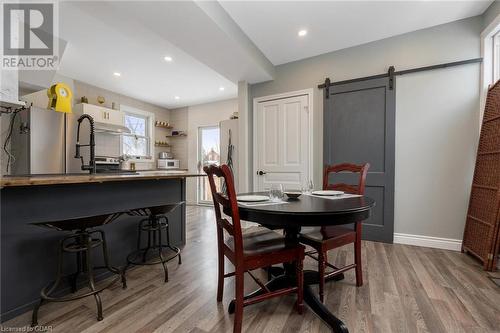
(482, 227)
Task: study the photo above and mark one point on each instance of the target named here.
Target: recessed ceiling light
(302, 33)
(221, 88)
(117, 74)
(168, 59)
(177, 97)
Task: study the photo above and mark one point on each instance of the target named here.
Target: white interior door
(281, 139)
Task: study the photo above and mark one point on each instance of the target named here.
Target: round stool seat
(79, 223)
(155, 210)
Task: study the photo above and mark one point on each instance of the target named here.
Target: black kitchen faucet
(91, 166)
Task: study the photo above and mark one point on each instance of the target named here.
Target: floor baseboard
(428, 241)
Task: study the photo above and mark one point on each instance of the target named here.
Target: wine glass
(276, 192)
(309, 188)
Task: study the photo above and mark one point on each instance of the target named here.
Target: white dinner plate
(252, 198)
(327, 193)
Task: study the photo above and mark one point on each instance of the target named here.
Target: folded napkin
(334, 197)
(262, 203)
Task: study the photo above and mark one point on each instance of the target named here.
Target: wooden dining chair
(323, 239)
(248, 251)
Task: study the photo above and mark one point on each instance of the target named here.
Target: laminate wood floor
(407, 289)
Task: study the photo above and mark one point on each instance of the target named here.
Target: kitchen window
(138, 142)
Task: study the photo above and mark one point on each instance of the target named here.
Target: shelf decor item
(163, 124)
(176, 133)
(482, 226)
(161, 144)
(101, 99)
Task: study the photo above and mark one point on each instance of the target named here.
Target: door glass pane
(209, 153)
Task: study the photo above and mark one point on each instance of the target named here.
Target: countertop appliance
(168, 164)
(165, 155)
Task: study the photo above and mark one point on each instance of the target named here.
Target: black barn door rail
(392, 72)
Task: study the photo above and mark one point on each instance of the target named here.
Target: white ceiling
(102, 40)
(216, 44)
(334, 25)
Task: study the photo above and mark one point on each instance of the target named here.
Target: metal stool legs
(90, 271)
(106, 260)
(154, 226)
(82, 245)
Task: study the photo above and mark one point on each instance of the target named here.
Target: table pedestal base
(310, 277)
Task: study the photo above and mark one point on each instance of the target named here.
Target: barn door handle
(261, 173)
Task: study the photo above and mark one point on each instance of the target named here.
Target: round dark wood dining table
(291, 216)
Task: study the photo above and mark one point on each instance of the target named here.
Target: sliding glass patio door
(208, 153)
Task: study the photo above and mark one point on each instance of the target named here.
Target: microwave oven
(168, 164)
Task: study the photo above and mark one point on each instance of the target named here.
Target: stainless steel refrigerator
(38, 143)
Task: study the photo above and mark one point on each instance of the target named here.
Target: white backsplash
(107, 145)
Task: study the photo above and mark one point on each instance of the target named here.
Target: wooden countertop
(33, 180)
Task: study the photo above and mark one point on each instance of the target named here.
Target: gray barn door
(359, 126)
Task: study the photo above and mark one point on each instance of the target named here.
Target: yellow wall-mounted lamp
(60, 97)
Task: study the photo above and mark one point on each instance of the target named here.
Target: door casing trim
(307, 92)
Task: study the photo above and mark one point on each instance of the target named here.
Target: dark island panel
(29, 252)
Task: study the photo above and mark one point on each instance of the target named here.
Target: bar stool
(156, 251)
(81, 242)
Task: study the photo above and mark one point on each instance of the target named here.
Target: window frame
(496, 56)
(150, 133)
(488, 69)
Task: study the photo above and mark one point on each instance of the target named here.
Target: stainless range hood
(110, 128)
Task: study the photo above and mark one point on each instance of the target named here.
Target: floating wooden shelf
(162, 145)
(176, 136)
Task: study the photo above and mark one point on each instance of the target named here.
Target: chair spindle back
(346, 167)
(229, 206)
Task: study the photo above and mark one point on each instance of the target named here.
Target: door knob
(260, 173)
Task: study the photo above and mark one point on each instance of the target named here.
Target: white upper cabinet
(101, 114)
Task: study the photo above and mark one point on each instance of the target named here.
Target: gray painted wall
(445, 43)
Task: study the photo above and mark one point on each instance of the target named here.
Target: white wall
(201, 115)
(443, 103)
(436, 140)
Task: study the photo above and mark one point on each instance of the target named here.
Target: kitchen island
(29, 252)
